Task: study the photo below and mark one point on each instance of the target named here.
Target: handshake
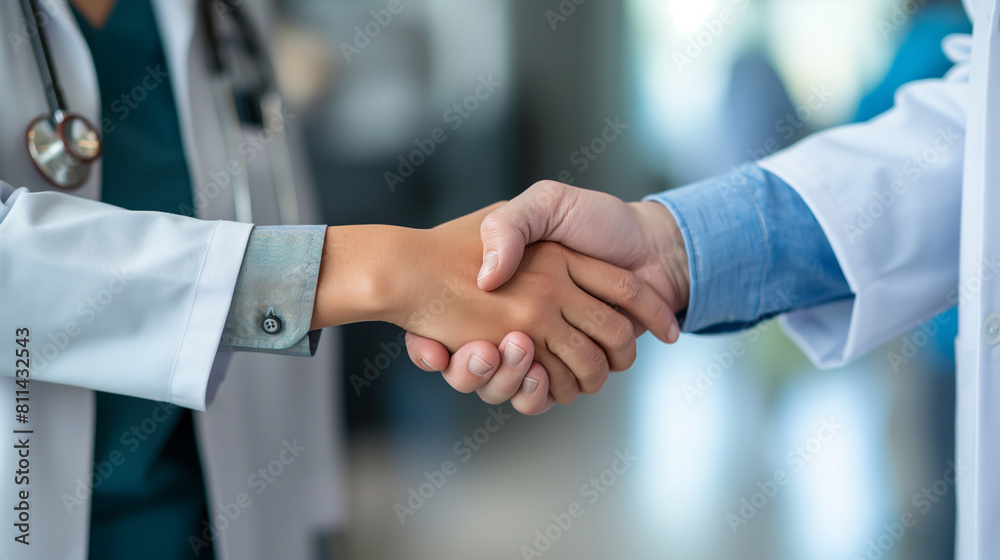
(567, 279)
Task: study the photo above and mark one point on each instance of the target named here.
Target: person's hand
(640, 237)
(421, 280)
(495, 374)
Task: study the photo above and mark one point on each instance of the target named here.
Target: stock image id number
(22, 373)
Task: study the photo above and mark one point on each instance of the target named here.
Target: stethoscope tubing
(40, 45)
(58, 168)
(269, 102)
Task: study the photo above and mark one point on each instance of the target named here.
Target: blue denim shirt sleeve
(277, 280)
(754, 250)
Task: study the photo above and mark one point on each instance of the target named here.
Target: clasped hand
(544, 323)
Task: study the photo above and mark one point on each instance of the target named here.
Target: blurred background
(715, 448)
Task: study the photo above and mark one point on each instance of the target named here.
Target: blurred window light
(689, 15)
(683, 52)
(842, 495)
(683, 60)
(834, 43)
(689, 435)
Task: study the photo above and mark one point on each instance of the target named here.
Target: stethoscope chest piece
(62, 146)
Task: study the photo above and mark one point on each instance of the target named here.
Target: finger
(611, 330)
(427, 354)
(472, 366)
(563, 385)
(638, 328)
(505, 232)
(626, 290)
(517, 352)
(584, 358)
(533, 396)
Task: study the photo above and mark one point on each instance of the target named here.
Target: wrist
(666, 249)
(359, 277)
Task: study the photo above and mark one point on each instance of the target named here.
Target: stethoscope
(63, 145)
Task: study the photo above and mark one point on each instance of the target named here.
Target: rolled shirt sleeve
(272, 304)
(754, 250)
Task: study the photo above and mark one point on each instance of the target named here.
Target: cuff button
(271, 324)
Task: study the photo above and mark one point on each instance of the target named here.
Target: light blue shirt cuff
(275, 291)
(754, 250)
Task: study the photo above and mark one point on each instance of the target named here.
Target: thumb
(503, 247)
(507, 230)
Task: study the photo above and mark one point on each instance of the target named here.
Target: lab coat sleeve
(126, 302)
(887, 194)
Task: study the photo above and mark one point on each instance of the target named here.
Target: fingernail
(513, 354)
(529, 385)
(673, 332)
(478, 366)
(490, 262)
(428, 366)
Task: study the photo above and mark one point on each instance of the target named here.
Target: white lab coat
(910, 202)
(134, 303)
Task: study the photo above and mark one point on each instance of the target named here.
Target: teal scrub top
(152, 503)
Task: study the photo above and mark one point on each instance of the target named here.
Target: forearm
(362, 274)
(754, 250)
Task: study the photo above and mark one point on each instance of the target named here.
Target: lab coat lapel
(84, 95)
(978, 391)
(176, 20)
(201, 129)
(970, 7)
